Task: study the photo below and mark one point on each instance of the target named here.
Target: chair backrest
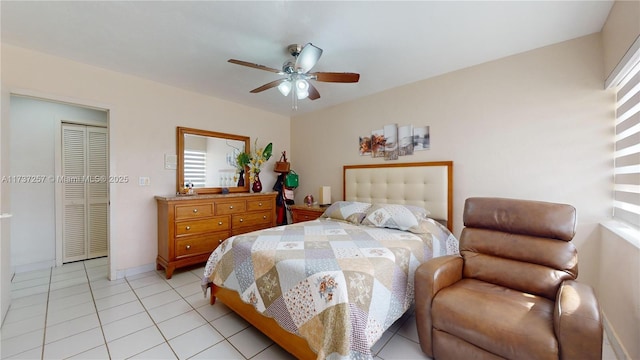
(520, 244)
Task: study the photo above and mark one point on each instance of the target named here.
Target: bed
(330, 287)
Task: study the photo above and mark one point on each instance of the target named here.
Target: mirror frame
(181, 132)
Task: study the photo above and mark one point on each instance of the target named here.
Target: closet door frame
(59, 193)
(112, 118)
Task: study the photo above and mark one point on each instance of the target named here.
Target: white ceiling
(187, 44)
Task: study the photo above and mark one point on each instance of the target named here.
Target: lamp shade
(302, 88)
(285, 87)
(325, 195)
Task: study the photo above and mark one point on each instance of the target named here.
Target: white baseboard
(616, 345)
(34, 266)
(120, 274)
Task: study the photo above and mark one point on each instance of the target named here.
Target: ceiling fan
(296, 73)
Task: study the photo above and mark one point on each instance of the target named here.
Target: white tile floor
(74, 312)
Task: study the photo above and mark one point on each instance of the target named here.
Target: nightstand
(301, 213)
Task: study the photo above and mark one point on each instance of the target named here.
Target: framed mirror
(207, 159)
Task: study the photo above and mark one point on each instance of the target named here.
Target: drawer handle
(220, 241)
(219, 222)
(230, 206)
(259, 204)
(241, 220)
(264, 217)
(188, 247)
(195, 210)
(188, 228)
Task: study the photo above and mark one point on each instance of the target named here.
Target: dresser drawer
(302, 215)
(193, 211)
(200, 244)
(230, 207)
(252, 219)
(264, 204)
(205, 225)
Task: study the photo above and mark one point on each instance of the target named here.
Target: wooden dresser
(191, 227)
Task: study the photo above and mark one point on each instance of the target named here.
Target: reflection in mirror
(211, 162)
(207, 160)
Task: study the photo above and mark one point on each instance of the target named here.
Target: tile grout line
(226, 338)
(47, 308)
(166, 341)
(97, 313)
(11, 307)
(46, 315)
(47, 311)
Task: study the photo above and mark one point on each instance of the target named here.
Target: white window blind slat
(626, 203)
(195, 167)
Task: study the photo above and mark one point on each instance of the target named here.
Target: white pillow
(396, 216)
(351, 211)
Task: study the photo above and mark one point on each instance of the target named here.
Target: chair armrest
(431, 277)
(578, 322)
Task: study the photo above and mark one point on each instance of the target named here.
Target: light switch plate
(144, 181)
(170, 161)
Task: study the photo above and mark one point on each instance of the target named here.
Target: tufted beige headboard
(425, 184)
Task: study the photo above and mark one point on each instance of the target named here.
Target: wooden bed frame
(426, 184)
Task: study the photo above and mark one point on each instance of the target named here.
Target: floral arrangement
(259, 156)
(242, 160)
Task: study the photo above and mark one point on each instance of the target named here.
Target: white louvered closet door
(85, 192)
(97, 194)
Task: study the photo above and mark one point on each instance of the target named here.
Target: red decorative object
(257, 185)
(241, 179)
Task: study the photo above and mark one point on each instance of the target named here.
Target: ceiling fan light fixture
(285, 87)
(302, 89)
(302, 94)
(296, 74)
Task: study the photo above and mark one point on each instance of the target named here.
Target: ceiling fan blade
(336, 77)
(308, 57)
(267, 86)
(252, 65)
(313, 92)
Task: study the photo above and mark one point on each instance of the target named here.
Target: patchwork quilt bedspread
(334, 283)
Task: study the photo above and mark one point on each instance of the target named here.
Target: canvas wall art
(393, 141)
(377, 143)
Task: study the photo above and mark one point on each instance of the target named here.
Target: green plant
(259, 156)
(242, 160)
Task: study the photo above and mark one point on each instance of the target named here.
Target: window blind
(194, 167)
(626, 204)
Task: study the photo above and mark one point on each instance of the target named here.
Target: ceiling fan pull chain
(294, 101)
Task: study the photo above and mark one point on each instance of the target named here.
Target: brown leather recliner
(512, 291)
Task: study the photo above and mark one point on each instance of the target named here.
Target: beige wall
(619, 32)
(143, 119)
(537, 125)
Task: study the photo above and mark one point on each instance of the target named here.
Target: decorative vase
(257, 185)
(241, 179)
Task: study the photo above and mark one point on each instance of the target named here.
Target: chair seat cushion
(499, 320)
